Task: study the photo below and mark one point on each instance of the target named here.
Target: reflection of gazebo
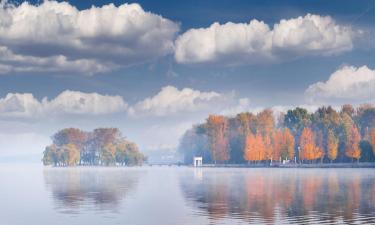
(197, 161)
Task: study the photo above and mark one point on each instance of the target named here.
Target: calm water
(171, 195)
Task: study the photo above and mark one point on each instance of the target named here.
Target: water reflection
(282, 196)
(75, 190)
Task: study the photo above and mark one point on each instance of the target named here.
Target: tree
(127, 153)
(217, 133)
(346, 125)
(268, 148)
(348, 109)
(70, 136)
(50, 156)
(108, 153)
(260, 148)
(71, 154)
(254, 148)
(289, 143)
(239, 127)
(332, 145)
(297, 119)
(365, 118)
(307, 145)
(352, 149)
(195, 143)
(103, 146)
(277, 144)
(265, 122)
(372, 140)
(250, 148)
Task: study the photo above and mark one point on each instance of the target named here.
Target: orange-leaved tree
(217, 132)
(277, 144)
(372, 140)
(352, 149)
(254, 148)
(307, 144)
(268, 148)
(332, 145)
(288, 143)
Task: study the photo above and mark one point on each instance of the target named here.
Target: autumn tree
(289, 143)
(348, 109)
(50, 155)
(238, 128)
(332, 145)
(283, 144)
(217, 133)
(195, 143)
(307, 145)
(277, 144)
(320, 146)
(72, 147)
(372, 140)
(352, 149)
(70, 136)
(265, 122)
(254, 148)
(296, 120)
(107, 154)
(127, 153)
(365, 119)
(70, 154)
(268, 148)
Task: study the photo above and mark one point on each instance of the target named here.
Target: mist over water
(180, 195)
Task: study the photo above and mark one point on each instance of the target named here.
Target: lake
(185, 196)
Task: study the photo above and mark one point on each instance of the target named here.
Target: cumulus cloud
(68, 102)
(347, 84)
(243, 105)
(256, 42)
(172, 100)
(57, 37)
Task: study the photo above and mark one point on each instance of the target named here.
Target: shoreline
(324, 165)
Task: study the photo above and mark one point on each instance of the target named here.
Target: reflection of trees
(297, 196)
(92, 188)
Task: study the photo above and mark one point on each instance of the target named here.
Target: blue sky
(154, 68)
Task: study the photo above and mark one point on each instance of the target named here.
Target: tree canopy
(102, 146)
(325, 135)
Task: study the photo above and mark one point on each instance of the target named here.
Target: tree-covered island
(102, 146)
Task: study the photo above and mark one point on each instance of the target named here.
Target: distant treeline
(102, 146)
(324, 136)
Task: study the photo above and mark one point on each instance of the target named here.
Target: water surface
(179, 195)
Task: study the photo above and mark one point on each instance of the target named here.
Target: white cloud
(57, 37)
(347, 84)
(172, 100)
(243, 105)
(75, 102)
(19, 105)
(68, 102)
(255, 42)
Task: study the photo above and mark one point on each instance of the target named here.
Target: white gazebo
(197, 161)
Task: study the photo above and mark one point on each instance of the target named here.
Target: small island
(101, 147)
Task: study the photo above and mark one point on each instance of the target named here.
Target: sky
(155, 68)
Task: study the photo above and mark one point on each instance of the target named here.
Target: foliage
(103, 146)
(332, 145)
(326, 135)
